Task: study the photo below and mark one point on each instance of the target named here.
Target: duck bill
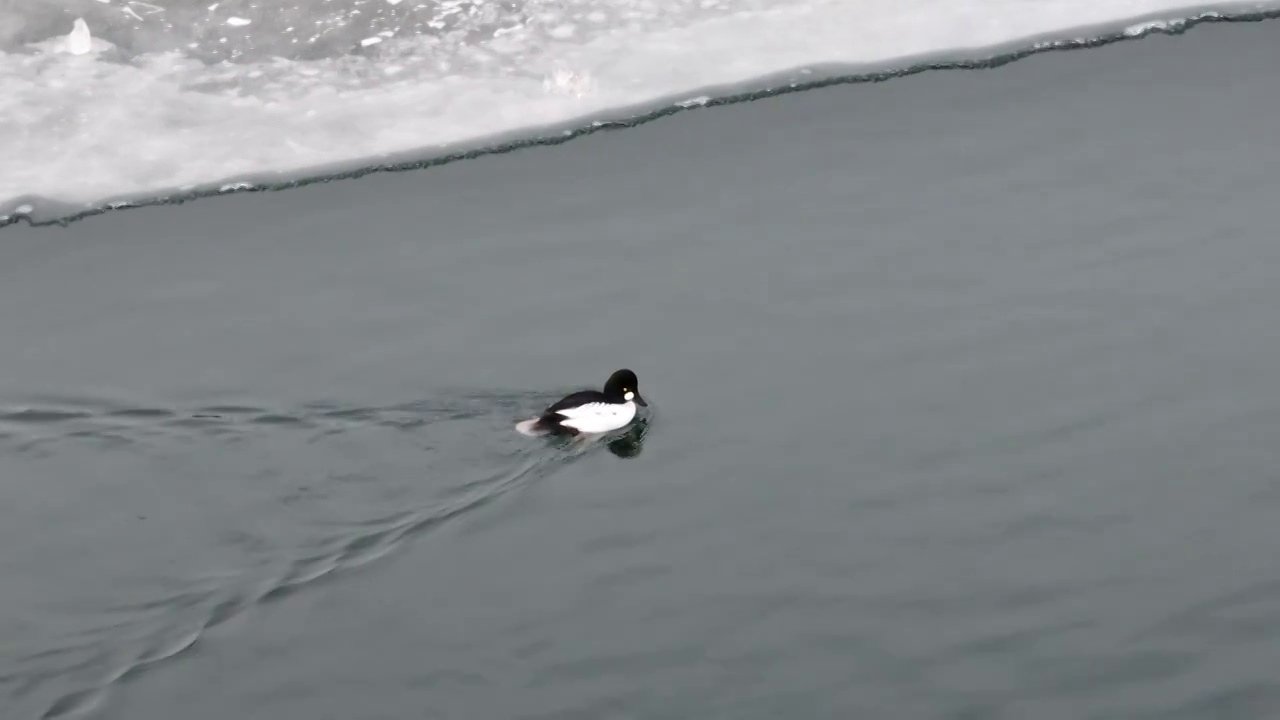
(640, 401)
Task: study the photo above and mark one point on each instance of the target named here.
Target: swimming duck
(590, 412)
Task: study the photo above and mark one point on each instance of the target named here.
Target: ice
(694, 101)
(235, 93)
(79, 41)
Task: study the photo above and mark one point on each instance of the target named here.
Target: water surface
(963, 407)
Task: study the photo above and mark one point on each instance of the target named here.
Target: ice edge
(24, 208)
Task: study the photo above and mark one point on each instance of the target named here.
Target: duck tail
(530, 428)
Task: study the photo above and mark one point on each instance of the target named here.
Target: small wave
(40, 416)
(132, 636)
(42, 424)
(354, 550)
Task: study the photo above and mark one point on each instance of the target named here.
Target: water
(144, 100)
(962, 407)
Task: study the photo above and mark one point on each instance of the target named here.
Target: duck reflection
(630, 443)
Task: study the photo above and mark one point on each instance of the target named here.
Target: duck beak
(640, 401)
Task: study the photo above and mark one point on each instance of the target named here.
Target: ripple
(47, 422)
(141, 413)
(39, 416)
(76, 703)
(158, 629)
(274, 419)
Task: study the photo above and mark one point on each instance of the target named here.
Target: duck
(589, 412)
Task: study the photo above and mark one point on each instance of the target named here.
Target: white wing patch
(597, 417)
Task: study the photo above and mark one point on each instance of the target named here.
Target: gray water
(963, 406)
